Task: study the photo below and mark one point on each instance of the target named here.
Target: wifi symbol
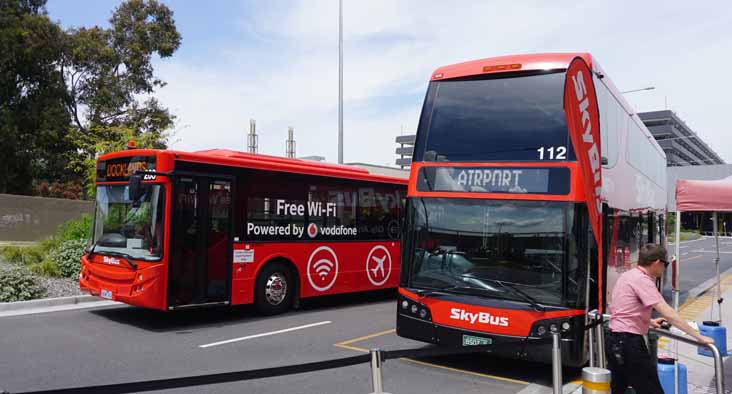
(322, 267)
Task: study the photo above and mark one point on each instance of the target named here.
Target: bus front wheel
(274, 289)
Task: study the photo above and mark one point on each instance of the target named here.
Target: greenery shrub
(25, 255)
(46, 267)
(68, 257)
(18, 284)
(75, 229)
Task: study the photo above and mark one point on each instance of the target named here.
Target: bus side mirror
(135, 187)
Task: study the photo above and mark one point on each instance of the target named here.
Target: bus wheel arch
(276, 287)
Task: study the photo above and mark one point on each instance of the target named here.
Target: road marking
(483, 375)
(265, 334)
(347, 345)
(710, 251)
(692, 258)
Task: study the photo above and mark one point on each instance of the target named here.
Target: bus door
(200, 263)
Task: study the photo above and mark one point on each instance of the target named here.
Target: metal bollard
(376, 378)
(591, 339)
(556, 363)
(595, 381)
(600, 338)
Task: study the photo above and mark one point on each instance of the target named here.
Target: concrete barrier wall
(25, 218)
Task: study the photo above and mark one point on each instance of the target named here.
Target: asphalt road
(697, 264)
(121, 344)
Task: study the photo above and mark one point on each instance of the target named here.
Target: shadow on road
(188, 319)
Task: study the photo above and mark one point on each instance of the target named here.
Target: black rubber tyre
(273, 290)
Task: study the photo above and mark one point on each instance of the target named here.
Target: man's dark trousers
(630, 364)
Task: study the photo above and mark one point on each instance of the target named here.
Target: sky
(276, 61)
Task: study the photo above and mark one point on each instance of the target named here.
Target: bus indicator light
(438, 76)
(502, 67)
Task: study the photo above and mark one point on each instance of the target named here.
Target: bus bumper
(522, 348)
(143, 287)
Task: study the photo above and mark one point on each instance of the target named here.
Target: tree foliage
(69, 95)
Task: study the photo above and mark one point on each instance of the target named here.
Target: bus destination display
(554, 180)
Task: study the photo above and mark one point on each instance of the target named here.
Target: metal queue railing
(597, 349)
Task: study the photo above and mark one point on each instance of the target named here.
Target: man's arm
(669, 314)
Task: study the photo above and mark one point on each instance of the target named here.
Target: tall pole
(340, 82)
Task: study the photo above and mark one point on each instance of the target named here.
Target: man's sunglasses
(665, 263)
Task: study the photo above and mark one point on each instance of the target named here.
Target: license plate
(107, 294)
(469, 340)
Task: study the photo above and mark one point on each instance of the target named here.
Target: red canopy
(704, 195)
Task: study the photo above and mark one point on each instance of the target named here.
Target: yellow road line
(465, 371)
(347, 345)
(692, 258)
(365, 337)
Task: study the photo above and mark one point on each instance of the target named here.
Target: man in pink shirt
(633, 297)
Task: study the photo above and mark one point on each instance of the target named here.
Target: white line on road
(265, 334)
(710, 251)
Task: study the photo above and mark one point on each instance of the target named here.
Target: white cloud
(284, 71)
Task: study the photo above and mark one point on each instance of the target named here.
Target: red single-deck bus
(219, 227)
(533, 186)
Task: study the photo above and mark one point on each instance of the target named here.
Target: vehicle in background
(219, 227)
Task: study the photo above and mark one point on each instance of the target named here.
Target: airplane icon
(379, 265)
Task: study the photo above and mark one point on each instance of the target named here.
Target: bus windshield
(133, 228)
(515, 118)
(516, 250)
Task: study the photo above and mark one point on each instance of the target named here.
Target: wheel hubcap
(276, 289)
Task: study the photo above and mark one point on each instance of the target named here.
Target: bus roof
(239, 159)
(513, 63)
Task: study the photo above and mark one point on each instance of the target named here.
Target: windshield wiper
(126, 257)
(90, 251)
(521, 293)
(454, 289)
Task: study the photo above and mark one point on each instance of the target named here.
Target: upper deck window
(515, 118)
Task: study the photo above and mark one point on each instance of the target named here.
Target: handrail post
(718, 361)
(591, 339)
(600, 335)
(376, 377)
(718, 368)
(556, 363)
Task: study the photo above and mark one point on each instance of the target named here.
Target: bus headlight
(543, 328)
(414, 309)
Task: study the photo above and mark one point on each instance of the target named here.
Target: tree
(33, 116)
(105, 70)
(68, 96)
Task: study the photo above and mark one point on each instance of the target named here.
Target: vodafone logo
(312, 230)
(480, 317)
(322, 268)
(377, 269)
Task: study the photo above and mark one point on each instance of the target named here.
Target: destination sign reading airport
(554, 180)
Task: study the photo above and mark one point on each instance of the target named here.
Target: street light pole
(340, 82)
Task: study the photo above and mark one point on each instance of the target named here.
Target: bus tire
(274, 289)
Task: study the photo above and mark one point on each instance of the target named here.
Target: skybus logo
(593, 152)
(480, 317)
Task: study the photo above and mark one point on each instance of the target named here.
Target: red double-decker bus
(177, 229)
(533, 185)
